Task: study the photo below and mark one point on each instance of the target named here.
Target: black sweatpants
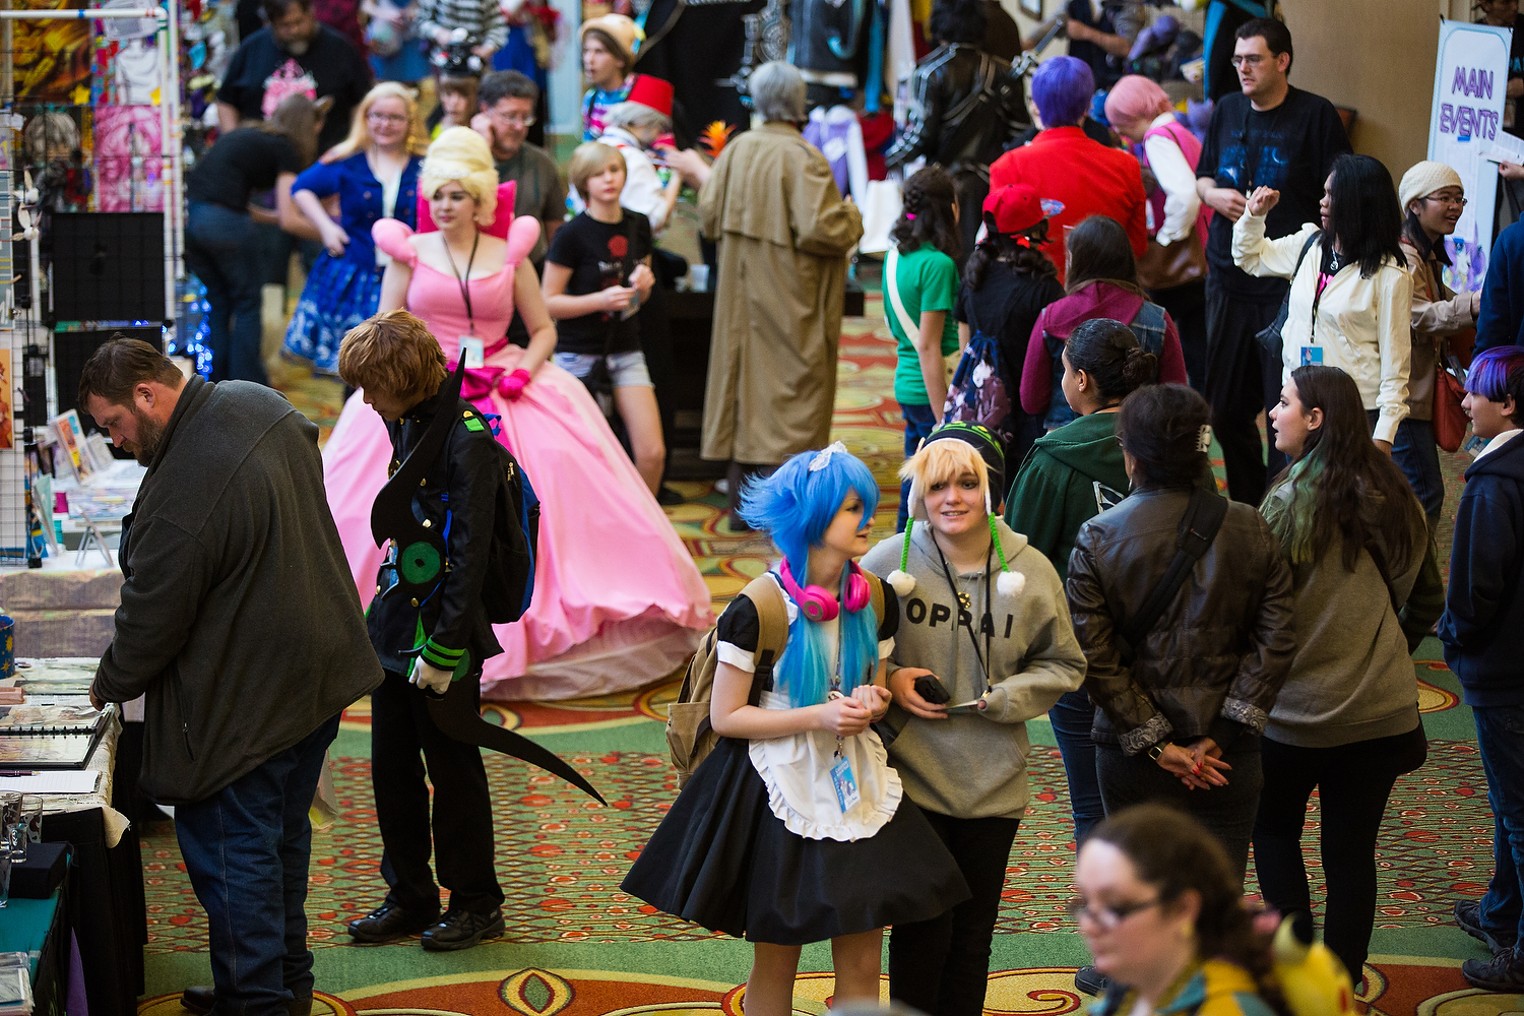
(400, 729)
(1241, 381)
(942, 966)
(1353, 782)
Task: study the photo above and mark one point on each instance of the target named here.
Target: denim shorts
(627, 370)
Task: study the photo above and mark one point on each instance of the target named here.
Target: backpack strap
(772, 623)
(875, 598)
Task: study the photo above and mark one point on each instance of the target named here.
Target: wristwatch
(1156, 750)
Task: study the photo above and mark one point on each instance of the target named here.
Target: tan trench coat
(784, 233)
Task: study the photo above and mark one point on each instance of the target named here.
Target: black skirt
(723, 860)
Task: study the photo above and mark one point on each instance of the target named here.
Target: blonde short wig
(943, 462)
(461, 154)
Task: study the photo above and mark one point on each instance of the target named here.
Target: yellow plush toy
(1313, 980)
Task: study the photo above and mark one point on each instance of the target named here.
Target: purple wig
(1061, 90)
(1498, 374)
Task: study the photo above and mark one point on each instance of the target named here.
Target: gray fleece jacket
(973, 764)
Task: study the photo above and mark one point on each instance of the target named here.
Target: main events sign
(1465, 129)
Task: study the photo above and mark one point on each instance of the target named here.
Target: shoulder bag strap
(1198, 528)
(891, 266)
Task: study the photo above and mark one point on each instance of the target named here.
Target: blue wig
(1498, 373)
(794, 506)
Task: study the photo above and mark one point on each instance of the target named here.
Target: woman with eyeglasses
(1433, 198)
(374, 175)
(1351, 295)
(1160, 908)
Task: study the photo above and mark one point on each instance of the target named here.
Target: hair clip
(1203, 439)
(910, 216)
(823, 457)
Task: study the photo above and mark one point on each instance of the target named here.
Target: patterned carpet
(577, 945)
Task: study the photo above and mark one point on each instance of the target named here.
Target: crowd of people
(1207, 663)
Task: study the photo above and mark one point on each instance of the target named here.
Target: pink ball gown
(618, 601)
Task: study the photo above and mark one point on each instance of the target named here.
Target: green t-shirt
(927, 281)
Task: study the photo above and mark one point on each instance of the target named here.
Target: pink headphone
(818, 602)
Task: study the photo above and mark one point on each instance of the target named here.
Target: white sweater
(1363, 325)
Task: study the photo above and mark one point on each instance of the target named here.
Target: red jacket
(1065, 165)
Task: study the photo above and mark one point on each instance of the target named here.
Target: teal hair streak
(1290, 518)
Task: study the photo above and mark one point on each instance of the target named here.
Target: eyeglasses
(393, 118)
(1247, 60)
(516, 119)
(1445, 199)
(1110, 917)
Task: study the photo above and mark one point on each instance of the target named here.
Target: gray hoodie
(973, 764)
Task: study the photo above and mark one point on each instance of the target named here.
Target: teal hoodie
(1054, 492)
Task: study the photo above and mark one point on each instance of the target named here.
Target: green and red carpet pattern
(576, 945)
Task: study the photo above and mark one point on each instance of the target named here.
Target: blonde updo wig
(459, 153)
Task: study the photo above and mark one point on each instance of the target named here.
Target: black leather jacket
(949, 123)
(1215, 661)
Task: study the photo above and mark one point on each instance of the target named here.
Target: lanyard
(988, 621)
(465, 283)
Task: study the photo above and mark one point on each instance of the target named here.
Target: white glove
(429, 677)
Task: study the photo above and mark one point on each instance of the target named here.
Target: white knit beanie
(1424, 179)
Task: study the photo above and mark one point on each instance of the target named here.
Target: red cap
(652, 92)
(1015, 208)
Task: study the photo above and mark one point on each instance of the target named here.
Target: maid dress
(618, 602)
(758, 846)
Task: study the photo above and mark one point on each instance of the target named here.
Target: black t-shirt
(1106, 70)
(241, 163)
(1290, 148)
(331, 66)
(600, 255)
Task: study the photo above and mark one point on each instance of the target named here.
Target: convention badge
(1312, 355)
(847, 794)
(472, 352)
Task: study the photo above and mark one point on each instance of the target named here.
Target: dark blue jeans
(919, 421)
(1500, 740)
(1417, 456)
(246, 850)
(1072, 716)
(219, 246)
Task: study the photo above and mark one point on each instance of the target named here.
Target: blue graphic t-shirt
(1290, 148)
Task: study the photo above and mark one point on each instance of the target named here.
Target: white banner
(1470, 81)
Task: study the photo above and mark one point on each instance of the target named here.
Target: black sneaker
(1503, 973)
(1091, 981)
(1468, 918)
(388, 922)
(461, 929)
